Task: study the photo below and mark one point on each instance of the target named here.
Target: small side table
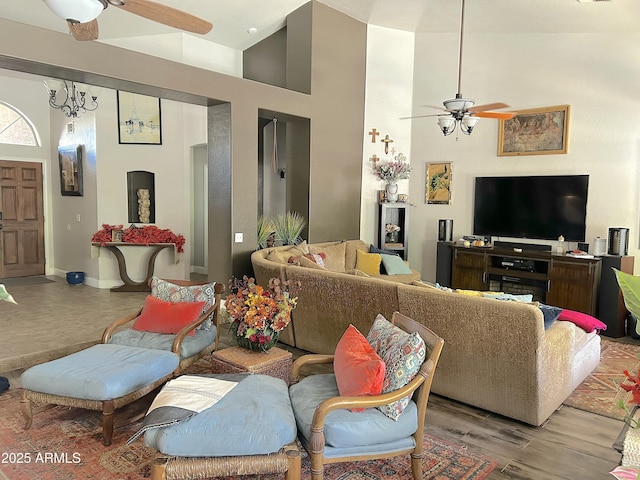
(276, 362)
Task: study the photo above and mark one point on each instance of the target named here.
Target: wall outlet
(239, 237)
(77, 217)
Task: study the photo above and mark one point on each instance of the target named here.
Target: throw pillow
(526, 297)
(334, 255)
(170, 292)
(374, 249)
(317, 259)
(550, 314)
(582, 320)
(358, 369)
(403, 354)
(158, 316)
(394, 265)
(368, 263)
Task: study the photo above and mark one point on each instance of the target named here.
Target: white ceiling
(232, 18)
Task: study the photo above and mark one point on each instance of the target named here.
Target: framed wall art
(70, 162)
(438, 183)
(539, 131)
(139, 119)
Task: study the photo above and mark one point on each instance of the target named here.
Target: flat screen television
(535, 207)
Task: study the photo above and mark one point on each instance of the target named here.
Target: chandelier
(70, 97)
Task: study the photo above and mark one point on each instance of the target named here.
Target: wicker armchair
(419, 387)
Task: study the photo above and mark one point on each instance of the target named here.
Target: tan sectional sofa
(497, 354)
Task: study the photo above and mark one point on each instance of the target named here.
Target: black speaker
(444, 262)
(610, 306)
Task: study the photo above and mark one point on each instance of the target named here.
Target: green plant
(630, 287)
(266, 228)
(288, 227)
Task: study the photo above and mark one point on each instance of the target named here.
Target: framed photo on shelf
(139, 119)
(438, 183)
(538, 131)
(116, 235)
(70, 163)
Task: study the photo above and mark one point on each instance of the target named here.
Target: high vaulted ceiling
(233, 18)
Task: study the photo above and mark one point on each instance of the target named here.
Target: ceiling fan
(81, 15)
(463, 110)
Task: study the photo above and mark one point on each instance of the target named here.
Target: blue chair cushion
(100, 372)
(190, 346)
(254, 418)
(349, 432)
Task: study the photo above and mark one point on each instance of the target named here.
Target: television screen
(536, 207)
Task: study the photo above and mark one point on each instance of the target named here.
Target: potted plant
(391, 172)
(288, 227)
(266, 232)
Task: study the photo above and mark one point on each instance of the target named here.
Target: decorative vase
(392, 237)
(631, 449)
(392, 192)
(246, 343)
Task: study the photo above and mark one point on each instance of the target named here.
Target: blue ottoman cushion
(100, 372)
(255, 418)
(346, 432)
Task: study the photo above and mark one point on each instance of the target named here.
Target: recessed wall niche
(141, 196)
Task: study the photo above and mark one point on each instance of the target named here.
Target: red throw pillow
(159, 316)
(582, 320)
(358, 368)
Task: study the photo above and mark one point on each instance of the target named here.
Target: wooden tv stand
(554, 279)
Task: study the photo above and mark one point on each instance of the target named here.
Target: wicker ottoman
(276, 362)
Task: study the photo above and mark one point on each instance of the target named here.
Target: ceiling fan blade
(488, 106)
(425, 116)
(166, 15)
(497, 115)
(84, 31)
(437, 107)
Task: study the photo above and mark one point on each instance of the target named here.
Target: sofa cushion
(170, 292)
(403, 354)
(582, 320)
(394, 265)
(358, 368)
(160, 341)
(335, 254)
(368, 263)
(352, 248)
(158, 316)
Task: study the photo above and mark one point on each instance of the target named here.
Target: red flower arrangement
(146, 234)
(632, 384)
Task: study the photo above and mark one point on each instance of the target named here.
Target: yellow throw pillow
(368, 263)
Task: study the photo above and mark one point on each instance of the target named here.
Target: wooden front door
(21, 220)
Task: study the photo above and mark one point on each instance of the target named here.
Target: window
(15, 128)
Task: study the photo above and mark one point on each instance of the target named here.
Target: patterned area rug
(599, 392)
(66, 443)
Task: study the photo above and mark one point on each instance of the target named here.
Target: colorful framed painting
(70, 162)
(139, 119)
(539, 131)
(438, 183)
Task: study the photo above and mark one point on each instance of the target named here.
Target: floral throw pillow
(403, 354)
(170, 292)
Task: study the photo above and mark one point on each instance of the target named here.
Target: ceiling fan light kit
(77, 11)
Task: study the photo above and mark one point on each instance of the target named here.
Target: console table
(130, 285)
(555, 279)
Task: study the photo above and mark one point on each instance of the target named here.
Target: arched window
(15, 127)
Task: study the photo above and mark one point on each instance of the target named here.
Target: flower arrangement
(392, 171)
(630, 385)
(259, 314)
(146, 234)
(391, 228)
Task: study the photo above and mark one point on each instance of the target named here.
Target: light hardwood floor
(571, 445)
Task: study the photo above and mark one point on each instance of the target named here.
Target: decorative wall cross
(374, 158)
(373, 134)
(386, 141)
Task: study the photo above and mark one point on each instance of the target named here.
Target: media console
(554, 279)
